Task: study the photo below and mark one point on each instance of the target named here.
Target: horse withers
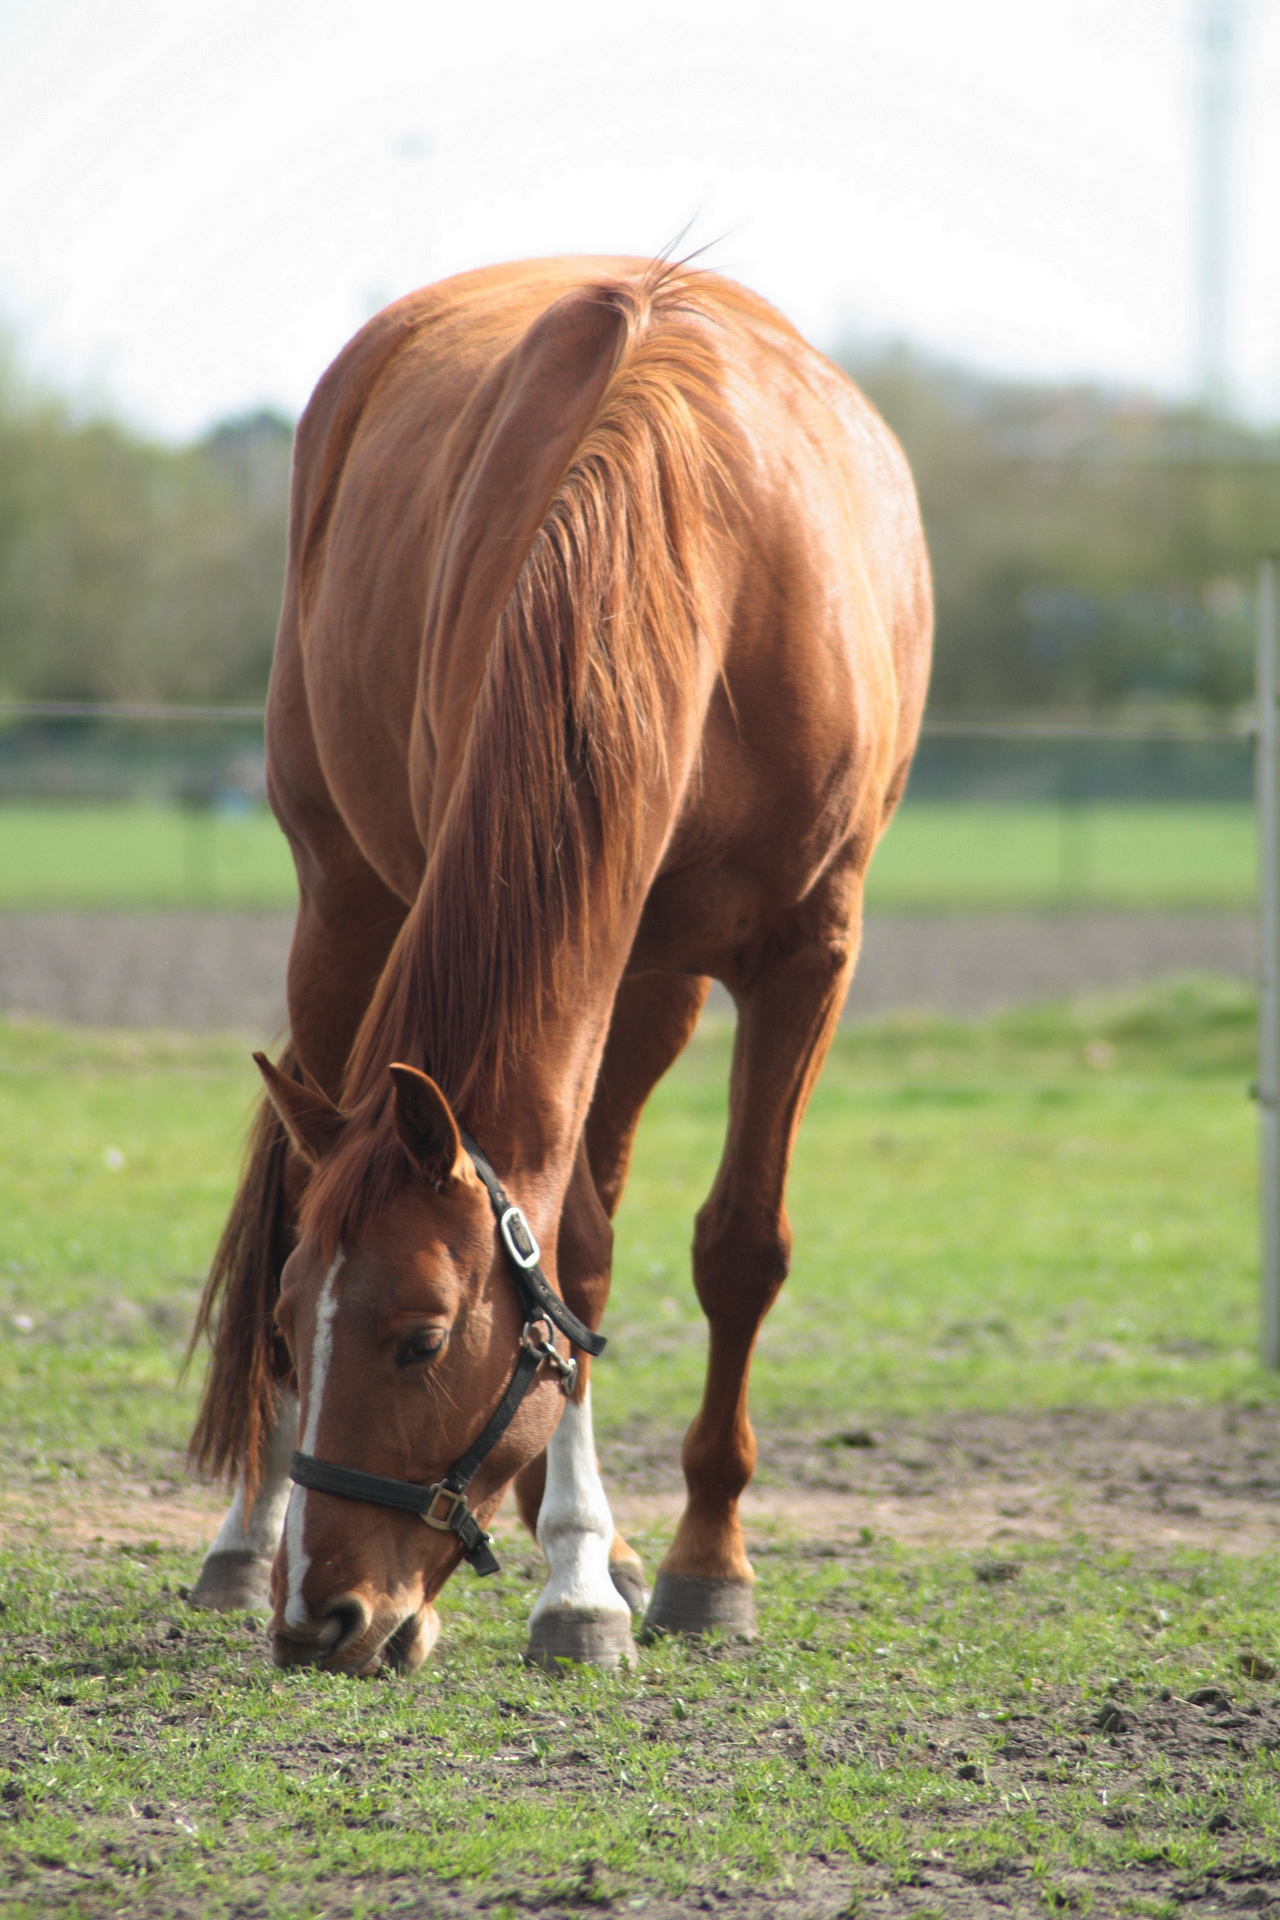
(604, 645)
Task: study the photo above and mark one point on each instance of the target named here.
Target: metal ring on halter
(546, 1350)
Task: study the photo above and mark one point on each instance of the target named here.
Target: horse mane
(546, 825)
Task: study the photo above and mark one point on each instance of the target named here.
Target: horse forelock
(546, 828)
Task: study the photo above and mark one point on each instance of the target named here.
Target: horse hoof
(686, 1603)
(628, 1578)
(238, 1582)
(590, 1639)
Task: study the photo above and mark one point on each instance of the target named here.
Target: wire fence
(120, 751)
(1008, 809)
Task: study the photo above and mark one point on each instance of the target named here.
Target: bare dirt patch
(213, 972)
(1165, 1475)
(1194, 1476)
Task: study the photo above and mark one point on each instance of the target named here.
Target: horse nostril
(343, 1623)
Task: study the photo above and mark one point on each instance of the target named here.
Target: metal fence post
(1268, 776)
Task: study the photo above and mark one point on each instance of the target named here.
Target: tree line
(1090, 551)
(135, 571)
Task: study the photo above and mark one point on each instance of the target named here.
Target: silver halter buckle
(518, 1236)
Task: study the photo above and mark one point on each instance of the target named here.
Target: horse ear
(310, 1118)
(425, 1124)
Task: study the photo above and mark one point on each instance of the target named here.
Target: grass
(902, 1720)
(142, 856)
(936, 855)
(1052, 1206)
(944, 855)
(988, 1215)
(994, 1215)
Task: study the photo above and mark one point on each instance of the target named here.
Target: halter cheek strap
(523, 1253)
(444, 1505)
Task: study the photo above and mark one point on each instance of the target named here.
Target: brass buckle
(443, 1522)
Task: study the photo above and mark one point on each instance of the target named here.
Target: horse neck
(529, 1117)
(531, 1123)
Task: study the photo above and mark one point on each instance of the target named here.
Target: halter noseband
(444, 1505)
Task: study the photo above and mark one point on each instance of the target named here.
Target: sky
(200, 200)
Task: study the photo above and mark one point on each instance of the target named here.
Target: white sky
(201, 199)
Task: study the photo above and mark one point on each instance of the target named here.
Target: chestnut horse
(605, 639)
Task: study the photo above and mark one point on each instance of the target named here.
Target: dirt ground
(206, 972)
(1164, 1476)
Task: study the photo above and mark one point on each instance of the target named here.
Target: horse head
(405, 1340)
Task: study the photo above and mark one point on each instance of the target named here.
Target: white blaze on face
(295, 1613)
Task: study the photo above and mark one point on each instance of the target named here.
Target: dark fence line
(122, 710)
(996, 727)
(121, 751)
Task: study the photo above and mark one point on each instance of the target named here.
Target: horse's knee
(718, 1461)
(584, 1253)
(740, 1259)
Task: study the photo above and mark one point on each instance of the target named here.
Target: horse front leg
(740, 1259)
(559, 1495)
(237, 1568)
(581, 1614)
(626, 1568)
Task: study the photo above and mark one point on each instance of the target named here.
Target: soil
(208, 972)
(1182, 1476)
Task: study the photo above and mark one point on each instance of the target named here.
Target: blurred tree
(133, 571)
(1088, 550)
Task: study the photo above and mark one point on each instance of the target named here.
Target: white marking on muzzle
(299, 1562)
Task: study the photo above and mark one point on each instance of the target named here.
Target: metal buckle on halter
(443, 1521)
(518, 1235)
(546, 1350)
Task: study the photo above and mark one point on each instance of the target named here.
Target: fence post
(1268, 789)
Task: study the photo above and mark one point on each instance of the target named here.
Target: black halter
(444, 1505)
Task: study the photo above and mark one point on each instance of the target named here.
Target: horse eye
(424, 1343)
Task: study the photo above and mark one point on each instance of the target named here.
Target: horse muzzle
(352, 1638)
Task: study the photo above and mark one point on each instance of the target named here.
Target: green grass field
(975, 1208)
(906, 1726)
(74, 856)
(933, 856)
(1054, 1206)
(1007, 856)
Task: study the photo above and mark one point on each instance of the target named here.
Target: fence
(211, 757)
(59, 750)
(62, 750)
(1014, 811)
